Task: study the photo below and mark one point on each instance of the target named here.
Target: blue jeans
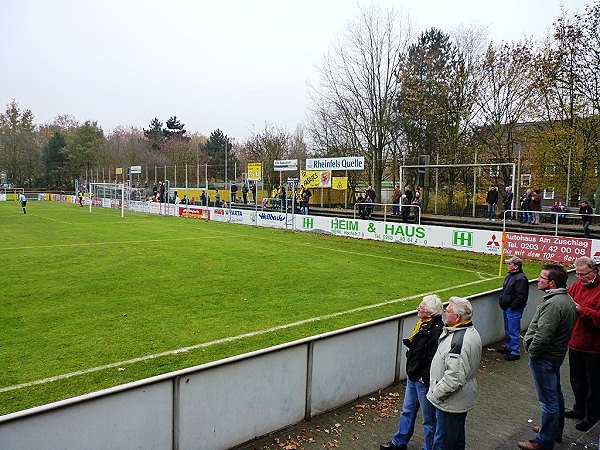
(491, 211)
(525, 215)
(396, 209)
(512, 330)
(546, 376)
(449, 431)
(415, 396)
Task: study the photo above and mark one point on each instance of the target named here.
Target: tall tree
(155, 134)
(358, 84)
(265, 146)
(175, 129)
(435, 103)
(55, 160)
(567, 117)
(218, 148)
(84, 147)
(503, 102)
(19, 153)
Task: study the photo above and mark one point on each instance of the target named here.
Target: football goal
(108, 195)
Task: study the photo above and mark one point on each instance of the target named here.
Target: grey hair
(585, 261)
(433, 304)
(462, 307)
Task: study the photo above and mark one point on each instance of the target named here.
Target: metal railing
(365, 205)
(557, 216)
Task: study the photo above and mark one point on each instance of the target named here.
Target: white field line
(230, 338)
(221, 234)
(49, 218)
(90, 244)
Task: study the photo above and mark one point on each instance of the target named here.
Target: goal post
(110, 195)
(11, 193)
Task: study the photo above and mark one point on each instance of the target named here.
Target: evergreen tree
(55, 159)
(174, 129)
(155, 134)
(217, 146)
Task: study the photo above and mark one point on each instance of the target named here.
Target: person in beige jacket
(453, 387)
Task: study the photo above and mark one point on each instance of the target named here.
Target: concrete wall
(228, 402)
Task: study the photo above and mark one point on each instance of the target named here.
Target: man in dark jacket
(546, 342)
(422, 345)
(507, 201)
(586, 209)
(491, 199)
(513, 299)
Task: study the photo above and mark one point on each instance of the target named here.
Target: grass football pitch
(94, 300)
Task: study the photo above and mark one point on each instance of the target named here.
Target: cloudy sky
(228, 64)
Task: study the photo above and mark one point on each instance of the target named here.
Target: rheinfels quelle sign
(345, 163)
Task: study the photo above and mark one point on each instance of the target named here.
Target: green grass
(82, 290)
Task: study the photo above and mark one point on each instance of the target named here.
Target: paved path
(506, 410)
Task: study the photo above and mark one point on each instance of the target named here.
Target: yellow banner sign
(118, 171)
(315, 178)
(340, 183)
(255, 171)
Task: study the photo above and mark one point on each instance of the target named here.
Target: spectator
(370, 194)
(274, 193)
(217, 198)
(177, 201)
(563, 209)
(305, 200)
(417, 205)
(360, 201)
(245, 193)
(584, 346)
(453, 388)
(281, 196)
(421, 345)
(525, 203)
(203, 201)
(407, 199)
(507, 201)
(535, 206)
(163, 198)
(546, 342)
(491, 199)
(586, 209)
(408, 193)
(513, 299)
(234, 190)
(254, 192)
(396, 195)
(369, 202)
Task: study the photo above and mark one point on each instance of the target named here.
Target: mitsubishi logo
(493, 241)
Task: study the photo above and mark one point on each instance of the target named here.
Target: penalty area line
(231, 338)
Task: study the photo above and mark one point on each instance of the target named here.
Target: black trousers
(584, 371)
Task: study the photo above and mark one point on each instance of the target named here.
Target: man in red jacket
(584, 346)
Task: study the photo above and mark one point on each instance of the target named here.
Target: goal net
(107, 195)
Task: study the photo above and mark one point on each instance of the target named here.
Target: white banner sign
(135, 169)
(346, 163)
(281, 165)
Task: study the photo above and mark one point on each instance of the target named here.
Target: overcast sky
(228, 64)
